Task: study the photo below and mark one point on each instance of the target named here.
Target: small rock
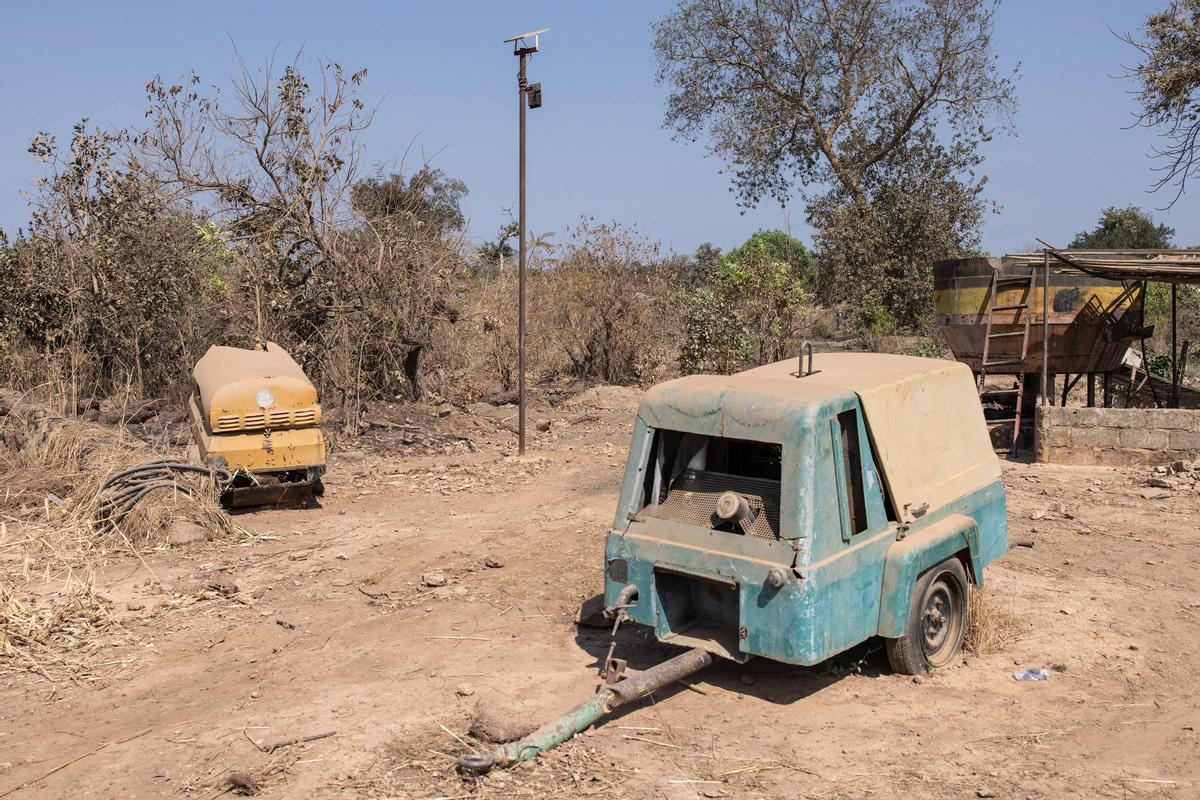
(1161, 483)
(1155, 494)
(918, 679)
(984, 793)
(747, 680)
(1179, 466)
(226, 588)
(1067, 611)
(1133, 647)
(1188, 728)
(134, 605)
(242, 783)
(255, 695)
(433, 579)
(464, 690)
(493, 562)
(343, 557)
(283, 623)
(444, 412)
(543, 425)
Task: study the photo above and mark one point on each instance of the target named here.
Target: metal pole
(521, 268)
(1045, 325)
(1174, 403)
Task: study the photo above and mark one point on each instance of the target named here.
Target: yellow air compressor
(254, 415)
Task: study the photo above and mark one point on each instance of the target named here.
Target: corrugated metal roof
(1167, 266)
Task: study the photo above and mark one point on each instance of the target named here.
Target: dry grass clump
(51, 470)
(990, 628)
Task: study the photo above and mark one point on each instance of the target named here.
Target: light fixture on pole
(533, 93)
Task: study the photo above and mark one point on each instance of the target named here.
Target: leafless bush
(112, 285)
(356, 277)
(608, 310)
(241, 213)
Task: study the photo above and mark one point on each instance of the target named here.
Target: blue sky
(445, 85)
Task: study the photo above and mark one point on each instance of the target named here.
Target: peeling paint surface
(841, 586)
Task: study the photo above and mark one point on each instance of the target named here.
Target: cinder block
(1144, 438)
(1057, 437)
(1050, 415)
(1184, 440)
(1129, 418)
(1090, 417)
(1096, 437)
(1125, 457)
(1183, 419)
(1073, 456)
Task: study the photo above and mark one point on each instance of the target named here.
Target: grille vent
(692, 500)
(276, 419)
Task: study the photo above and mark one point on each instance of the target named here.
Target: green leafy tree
(746, 310)
(778, 247)
(1125, 229)
(849, 104)
(1132, 229)
(1169, 88)
(876, 254)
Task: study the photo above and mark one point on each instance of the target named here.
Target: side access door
(848, 570)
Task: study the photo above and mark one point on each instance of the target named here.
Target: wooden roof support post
(1045, 325)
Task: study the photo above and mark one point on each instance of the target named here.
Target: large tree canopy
(1125, 229)
(822, 92)
(1170, 89)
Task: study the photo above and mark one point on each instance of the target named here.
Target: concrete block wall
(1116, 436)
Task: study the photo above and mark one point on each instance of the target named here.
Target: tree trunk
(412, 370)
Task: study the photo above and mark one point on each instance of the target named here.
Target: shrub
(606, 306)
(746, 311)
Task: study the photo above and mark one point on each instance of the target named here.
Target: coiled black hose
(123, 490)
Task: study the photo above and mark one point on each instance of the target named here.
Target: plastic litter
(1031, 674)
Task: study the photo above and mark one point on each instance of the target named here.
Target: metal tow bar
(579, 718)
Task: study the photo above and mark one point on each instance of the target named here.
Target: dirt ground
(319, 623)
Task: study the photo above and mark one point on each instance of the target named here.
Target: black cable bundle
(128, 486)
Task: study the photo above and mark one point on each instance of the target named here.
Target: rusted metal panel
(1092, 321)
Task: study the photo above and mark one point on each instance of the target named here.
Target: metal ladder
(1028, 281)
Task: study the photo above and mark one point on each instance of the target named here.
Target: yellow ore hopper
(254, 414)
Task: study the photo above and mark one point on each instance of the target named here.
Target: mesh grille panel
(692, 500)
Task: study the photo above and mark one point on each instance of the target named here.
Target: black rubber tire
(937, 621)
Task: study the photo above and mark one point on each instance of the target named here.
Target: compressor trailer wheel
(937, 621)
